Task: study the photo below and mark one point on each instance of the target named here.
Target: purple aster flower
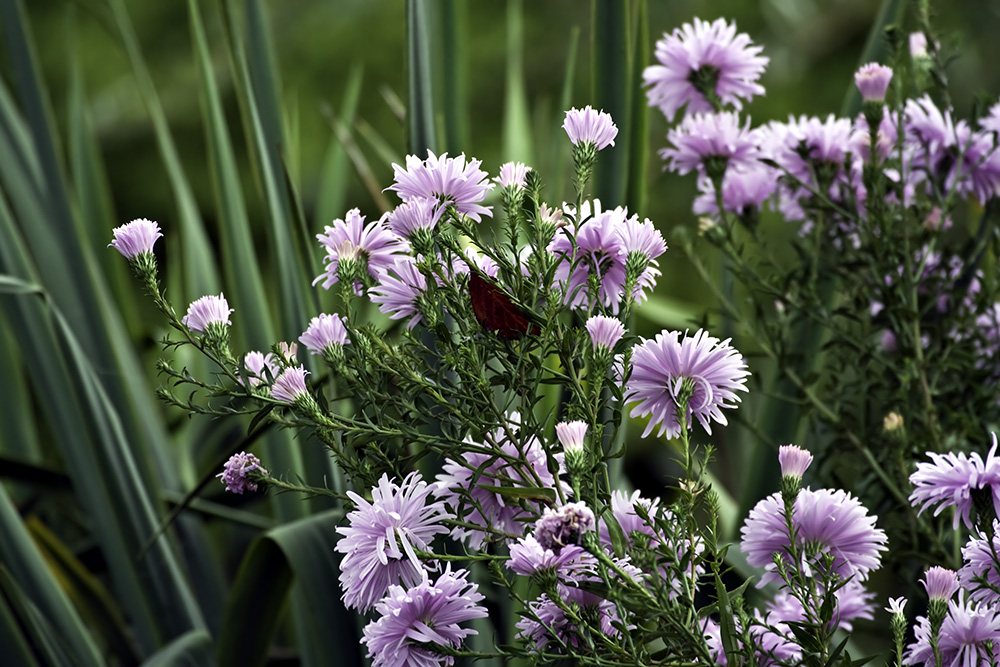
(234, 475)
(512, 175)
(918, 45)
(991, 121)
(665, 368)
(872, 81)
(623, 508)
(450, 180)
(135, 238)
(383, 536)
(896, 606)
(255, 362)
(399, 291)
(743, 191)
(793, 460)
(980, 576)
(508, 458)
(350, 239)
(940, 583)
(528, 557)
(949, 154)
(415, 214)
(605, 332)
(710, 143)
(970, 635)
(704, 58)
(589, 126)
(571, 435)
(950, 480)
(564, 525)
(595, 246)
(548, 621)
(415, 619)
(886, 142)
(814, 153)
(325, 331)
(290, 385)
(206, 311)
(828, 521)
(642, 243)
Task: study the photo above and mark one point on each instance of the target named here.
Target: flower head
(528, 557)
(207, 311)
(324, 332)
(382, 537)
(872, 81)
(564, 525)
(399, 291)
(704, 62)
(589, 126)
(413, 620)
(594, 247)
(450, 180)
(234, 475)
(969, 635)
(940, 583)
(949, 480)
(350, 240)
(605, 332)
(827, 521)
(571, 435)
(793, 460)
(512, 174)
(710, 143)
(667, 367)
(548, 621)
(980, 575)
(255, 364)
(896, 606)
(415, 214)
(743, 191)
(508, 458)
(135, 238)
(290, 385)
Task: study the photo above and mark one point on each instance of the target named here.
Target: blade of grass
(517, 139)
(24, 562)
(421, 135)
(637, 167)
(610, 79)
(331, 196)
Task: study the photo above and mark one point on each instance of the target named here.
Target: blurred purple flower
(831, 521)
(949, 480)
(852, 602)
(450, 180)
(872, 81)
(742, 191)
(712, 55)
(980, 575)
(663, 366)
(970, 635)
(383, 536)
(710, 142)
(413, 620)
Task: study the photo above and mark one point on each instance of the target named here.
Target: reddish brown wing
(495, 310)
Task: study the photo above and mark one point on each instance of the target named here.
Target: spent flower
(236, 473)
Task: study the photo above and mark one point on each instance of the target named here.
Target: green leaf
(610, 80)
(523, 492)
(190, 649)
(421, 131)
(517, 139)
(303, 552)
